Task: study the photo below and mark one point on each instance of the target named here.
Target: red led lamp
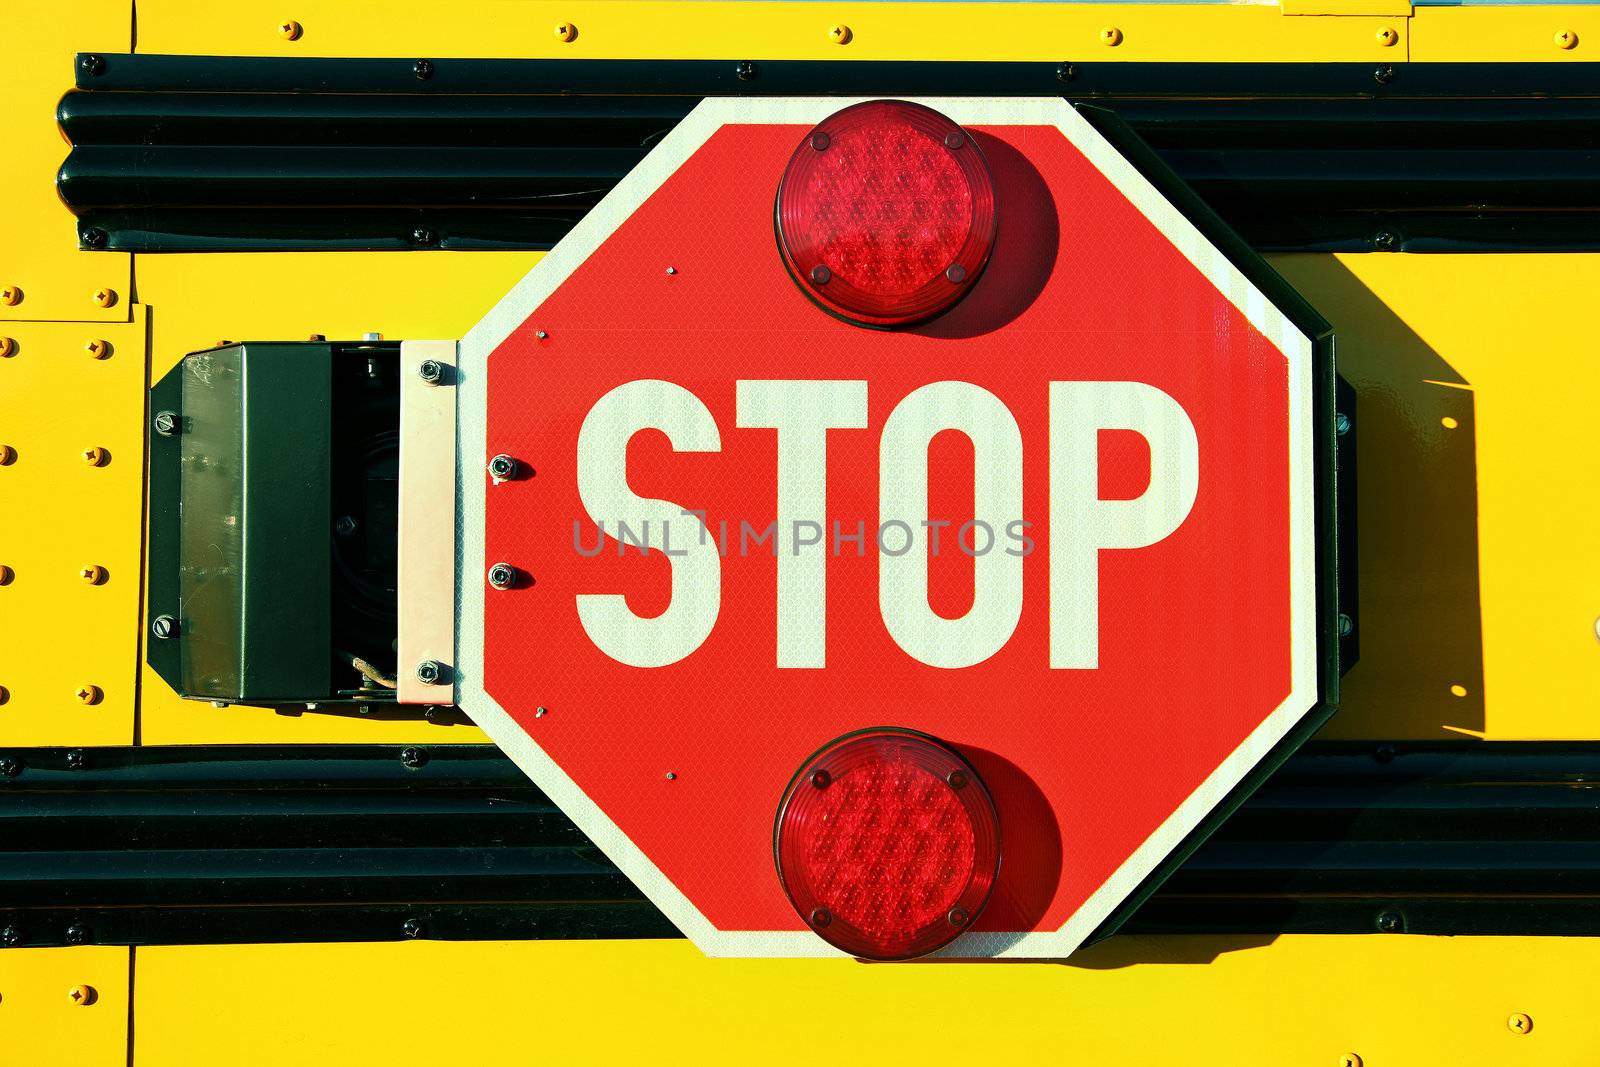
(887, 844)
(886, 214)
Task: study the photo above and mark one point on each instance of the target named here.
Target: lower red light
(886, 213)
(887, 844)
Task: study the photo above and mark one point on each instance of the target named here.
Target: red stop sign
(1067, 528)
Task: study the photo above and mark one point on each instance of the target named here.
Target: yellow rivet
(1350, 1059)
(1520, 1023)
(839, 34)
(96, 457)
(105, 297)
(8, 347)
(1110, 36)
(1449, 422)
(290, 30)
(10, 295)
(1388, 37)
(89, 694)
(98, 348)
(8, 455)
(82, 995)
(1567, 39)
(566, 31)
(94, 574)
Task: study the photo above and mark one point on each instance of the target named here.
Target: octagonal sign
(1067, 528)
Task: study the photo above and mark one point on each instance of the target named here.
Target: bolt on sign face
(843, 638)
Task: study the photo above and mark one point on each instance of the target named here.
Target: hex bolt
(502, 576)
(1387, 37)
(839, 33)
(413, 928)
(77, 760)
(290, 30)
(77, 934)
(92, 65)
(1390, 921)
(1111, 36)
(89, 694)
(958, 916)
(431, 371)
(1341, 424)
(82, 995)
(10, 295)
(566, 32)
(1520, 1023)
(96, 456)
(423, 69)
(98, 348)
(413, 758)
(105, 298)
(8, 347)
(164, 627)
(503, 467)
(430, 672)
(746, 70)
(94, 574)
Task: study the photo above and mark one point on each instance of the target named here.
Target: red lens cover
(886, 213)
(887, 844)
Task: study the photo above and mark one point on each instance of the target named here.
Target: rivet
(8, 455)
(82, 995)
(290, 30)
(1350, 1059)
(98, 348)
(1520, 1023)
(839, 33)
(540, 712)
(956, 779)
(8, 347)
(105, 297)
(821, 274)
(423, 69)
(954, 140)
(89, 694)
(821, 917)
(958, 917)
(540, 334)
(821, 779)
(820, 141)
(672, 776)
(1110, 36)
(1567, 39)
(566, 31)
(1388, 37)
(10, 295)
(96, 457)
(956, 274)
(672, 270)
(94, 574)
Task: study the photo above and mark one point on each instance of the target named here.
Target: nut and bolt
(92, 65)
(431, 371)
(502, 576)
(10, 295)
(94, 574)
(82, 995)
(1390, 921)
(1520, 1023)
(430, 672)
(423, 69)
(503, 467)
(413, 757)
(105, 298)
(89, 694)
(96, 457)
(164, 627)
(98, 348)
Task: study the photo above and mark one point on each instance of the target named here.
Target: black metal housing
(357, 843)
(186, 153)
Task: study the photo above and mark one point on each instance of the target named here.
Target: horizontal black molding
(351, 843)
(184, 153)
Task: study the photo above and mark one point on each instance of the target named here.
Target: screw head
(413, 757)
(566, 32)
(105, 297)
(167, 423)
(672, 776)
(954, 140)
(8, 455)
(94, 574)
(423, 236)
(1567, 39)
(77, 934)
(1347, 625)
(1066, 72)
(1350, 1059)
(164, 627)
(1520, 1023)
(431, 371)
(8, 347)
(88, 694)
(502, 467)
(82, 995)
(1110, 36)
(1341, 424)
(345, 525)
(93, 238)
(839, 33)
(77, 760)
(10, 295)
(92, 65)
(541, 334)
(6, 574)
(746, 70)
(413, 928)
(98, 348)
(1390, 921)
(10, 936)
(10, 768)
(1386, 240)
(820, 141)
(290, 30)
(502, 576)
(96, 457)
(423, 69)
(1383, 75)
(1387, 37)
(430, 672)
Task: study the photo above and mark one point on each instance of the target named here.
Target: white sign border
(516, 306)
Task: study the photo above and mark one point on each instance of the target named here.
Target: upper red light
(887, 844)
(886, 213)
